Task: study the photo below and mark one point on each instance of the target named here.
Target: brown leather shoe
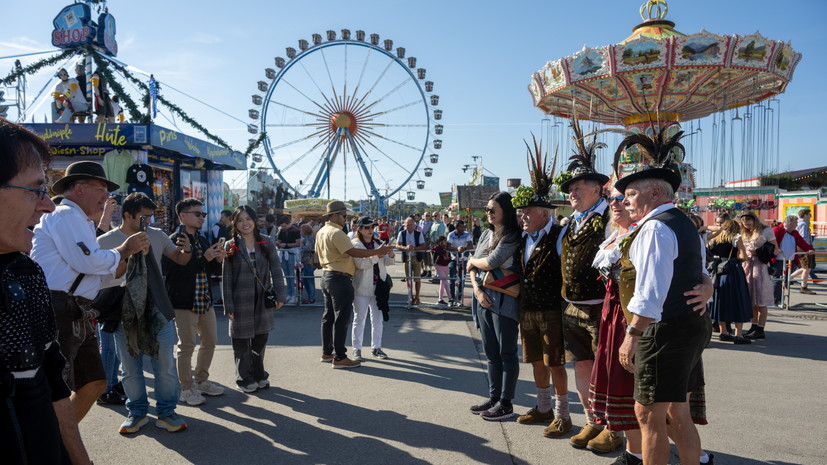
(557, 428)
(586, 434)
(535, 416)
(346, 363)
(605, 442)
(326, 358)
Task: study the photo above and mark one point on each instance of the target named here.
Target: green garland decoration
(37, 66)
(254, 145)
(134, 113)
(173, 107)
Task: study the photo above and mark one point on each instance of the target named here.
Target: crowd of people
(620, 288)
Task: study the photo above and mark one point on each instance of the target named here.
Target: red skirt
(611, 387)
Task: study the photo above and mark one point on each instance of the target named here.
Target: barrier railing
(787, 280)
(457, 282)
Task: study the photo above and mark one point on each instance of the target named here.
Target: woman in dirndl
(731, 300)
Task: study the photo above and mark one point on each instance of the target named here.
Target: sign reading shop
(74, 28)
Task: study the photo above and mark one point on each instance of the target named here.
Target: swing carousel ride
(658, 77)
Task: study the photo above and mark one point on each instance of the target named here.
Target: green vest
(581, 281)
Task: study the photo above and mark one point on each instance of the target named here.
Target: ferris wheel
(348, 118)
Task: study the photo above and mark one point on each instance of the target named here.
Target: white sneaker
(250, 388)
(207, 388)
(263, 384)
(191, 397)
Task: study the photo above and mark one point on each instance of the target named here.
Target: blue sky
(479, 54)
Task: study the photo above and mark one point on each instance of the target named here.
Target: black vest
(417, 242)
(686, 269)
(541, 280)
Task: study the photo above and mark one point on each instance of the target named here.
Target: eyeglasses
(197, 214)
(367, 227)
(618, 198)
(489, 211)
(43, 191)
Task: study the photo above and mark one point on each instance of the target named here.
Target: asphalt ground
(765, 401)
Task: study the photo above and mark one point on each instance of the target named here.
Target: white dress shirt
(653, 253)
(65, 245)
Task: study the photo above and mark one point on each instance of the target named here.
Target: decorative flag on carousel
(153, 94)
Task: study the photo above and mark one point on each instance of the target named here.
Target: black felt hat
(661, 157)
(80, 170)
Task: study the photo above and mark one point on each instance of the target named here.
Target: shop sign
(109, 134)
(74, 28)
(176, 141)
(82, 151)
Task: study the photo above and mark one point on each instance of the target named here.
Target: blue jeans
(167, 386)
(499, 336)
(288, 266)
(308, 281)
(452, 273)
(780, 275)
(109, 357)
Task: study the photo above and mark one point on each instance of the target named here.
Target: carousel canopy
(658, 69)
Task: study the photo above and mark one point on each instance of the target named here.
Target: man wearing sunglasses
(66, 247)
(68, 99)
(190, 291)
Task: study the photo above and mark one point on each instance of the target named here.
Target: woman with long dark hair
(495, 313)
(251, 268)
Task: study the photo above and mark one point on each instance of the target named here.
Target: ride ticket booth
(164, 164)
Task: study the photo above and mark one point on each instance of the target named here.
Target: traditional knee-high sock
(544, 399)
(590, 420)
(561, 406)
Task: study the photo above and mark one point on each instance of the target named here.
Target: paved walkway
(765, 402)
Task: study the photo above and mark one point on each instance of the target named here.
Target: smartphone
(143, 224)
(221, 241)
(182, 229)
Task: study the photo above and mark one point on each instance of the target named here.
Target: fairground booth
(164, 164)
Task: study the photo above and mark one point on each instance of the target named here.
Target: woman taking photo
(755, 235)
(496, 314)
(308, 248)
(251, 268)
(369, 271)
(731, 300)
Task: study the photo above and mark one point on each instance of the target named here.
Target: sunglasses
(197, 214)
(489, 211)
(618, 198)
(367, 227)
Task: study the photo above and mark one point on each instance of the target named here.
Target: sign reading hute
(74, 28)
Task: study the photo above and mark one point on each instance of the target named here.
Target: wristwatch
(631, 330)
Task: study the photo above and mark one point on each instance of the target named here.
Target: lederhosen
(668, 359)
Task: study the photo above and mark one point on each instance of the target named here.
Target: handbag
(270, 298)
(502, 280)
(109, 304)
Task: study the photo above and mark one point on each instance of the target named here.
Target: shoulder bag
(270, 298)
(502, 280)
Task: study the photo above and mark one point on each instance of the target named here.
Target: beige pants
(190, 324)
